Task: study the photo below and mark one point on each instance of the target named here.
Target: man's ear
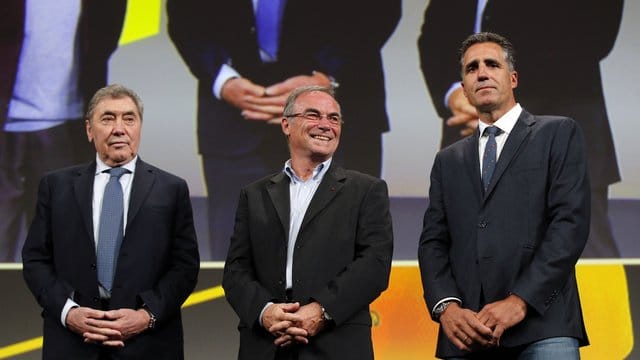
(286, 126)
(87, 127)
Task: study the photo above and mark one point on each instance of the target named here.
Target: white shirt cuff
(65, 310)
(226, 72)
(446, 299)
(262, 312)
(455, 86)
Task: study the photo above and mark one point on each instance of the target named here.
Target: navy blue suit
(157, 264)
(523, 236)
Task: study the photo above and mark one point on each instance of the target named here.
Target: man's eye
(312, 116)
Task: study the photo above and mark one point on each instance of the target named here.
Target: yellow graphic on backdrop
(141, 21)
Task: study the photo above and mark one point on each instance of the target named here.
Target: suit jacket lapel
(279, 192)
(472, 164)
(516, 138)
(143, 180)
(330, 186)
(83, 191)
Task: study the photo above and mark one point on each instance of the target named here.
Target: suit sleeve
(181, 275)
(242, 289)
(192, 27)
(433, 250)
(367, 276)
(50, 291)
(568, 212)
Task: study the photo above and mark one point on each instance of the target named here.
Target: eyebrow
(114, 113)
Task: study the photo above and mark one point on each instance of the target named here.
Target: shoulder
(160, 174)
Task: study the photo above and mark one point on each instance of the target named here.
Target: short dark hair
(113, 91)
(295, 94)
(485, 37)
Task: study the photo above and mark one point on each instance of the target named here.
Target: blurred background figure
(561, 64)
(249, 55)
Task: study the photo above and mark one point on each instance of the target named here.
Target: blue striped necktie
(268, 19)
(490, 155)
(111, 227)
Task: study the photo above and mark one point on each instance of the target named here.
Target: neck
(304, 167)
(491, 115)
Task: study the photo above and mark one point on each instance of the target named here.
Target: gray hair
(488, 37)
(113, 91)
(295, 94)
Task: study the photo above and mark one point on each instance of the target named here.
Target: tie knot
(492, 130)
(117, 172)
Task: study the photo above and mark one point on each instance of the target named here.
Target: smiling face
(487, 81)
(114, 128)
(314, 140)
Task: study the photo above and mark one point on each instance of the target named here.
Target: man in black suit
(244, 82)
(50, 67)
(503, 232)
(133, 311)
(312, 246)
(560, 61)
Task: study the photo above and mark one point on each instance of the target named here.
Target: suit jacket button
(96, 299)
(93, 266)
(482, 224)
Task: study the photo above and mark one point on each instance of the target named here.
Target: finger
(279, 327)
(113, 343)
(282, 340)
(296, 331)
(268, 108)
(256, 115)
(466, 132)
(301, 339)
(267, 100)
(458, 119)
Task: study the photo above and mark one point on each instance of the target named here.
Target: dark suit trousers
(24, 158)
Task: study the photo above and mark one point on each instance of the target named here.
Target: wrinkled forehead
(317, 101)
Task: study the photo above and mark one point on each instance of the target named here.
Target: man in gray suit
(503, 231)
(312, 246)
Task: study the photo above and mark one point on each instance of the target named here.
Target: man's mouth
(321, 137)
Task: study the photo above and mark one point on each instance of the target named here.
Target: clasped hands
(109, 328)
(266, 103)
(291, 323)
(469, 330)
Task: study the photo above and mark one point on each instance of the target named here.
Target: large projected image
(214, 83)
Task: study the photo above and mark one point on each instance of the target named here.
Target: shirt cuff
(262, 312)
(226, 72)
(455, 86)
(65, 310)
(446, 299)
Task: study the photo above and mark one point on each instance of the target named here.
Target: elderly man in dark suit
(507, 220)
(561, 64)
(111, 259)
(312, 246)
(249, 55)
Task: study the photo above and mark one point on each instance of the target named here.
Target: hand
(90, 323)
(463, 113)
(277, 93)
(503, 314)
(278, 318)
(250, 99)
(309, 323)
(463, 328)
(126, 322)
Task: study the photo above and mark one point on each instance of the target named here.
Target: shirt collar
(318, 172)
(101, 166)
(506, 122)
